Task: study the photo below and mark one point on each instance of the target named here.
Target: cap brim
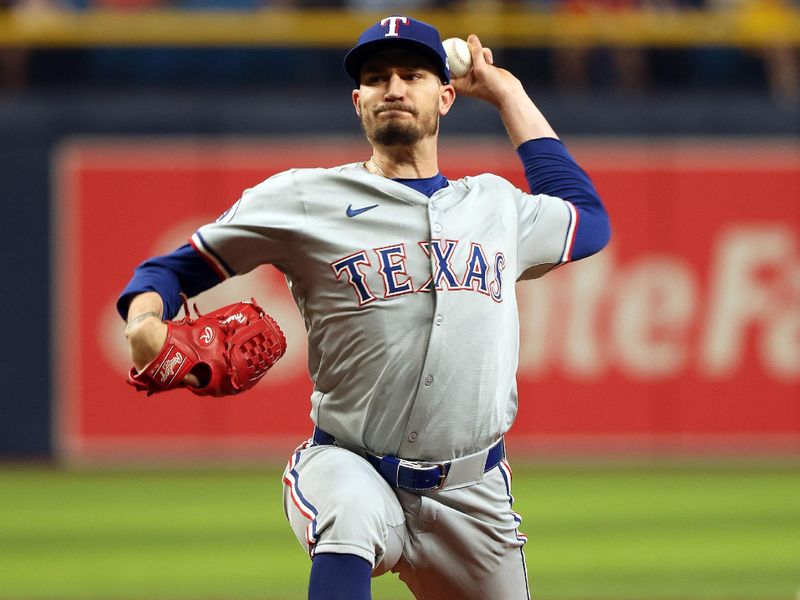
(355, 59)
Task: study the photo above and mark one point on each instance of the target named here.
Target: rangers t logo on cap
(393, 21)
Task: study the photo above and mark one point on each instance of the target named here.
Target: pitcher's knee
(360, 525)
(343, 506)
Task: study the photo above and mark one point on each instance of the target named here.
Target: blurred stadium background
(656, 451)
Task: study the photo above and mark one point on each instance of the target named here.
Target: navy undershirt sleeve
(184, 270)
(550, 170)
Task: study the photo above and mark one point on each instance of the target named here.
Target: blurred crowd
(775, 69)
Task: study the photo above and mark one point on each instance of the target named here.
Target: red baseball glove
(229, 350)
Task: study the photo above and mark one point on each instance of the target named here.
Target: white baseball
(458, 56)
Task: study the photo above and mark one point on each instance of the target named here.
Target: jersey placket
(427, 389)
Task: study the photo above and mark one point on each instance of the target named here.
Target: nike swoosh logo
(354, 212)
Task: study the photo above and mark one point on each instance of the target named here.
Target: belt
(419, 477)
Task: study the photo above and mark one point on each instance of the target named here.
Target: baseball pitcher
(405, 280)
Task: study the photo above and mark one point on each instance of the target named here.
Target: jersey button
(438, 320)
(412, 437)
(429, 380)
(434, 205)
(437, 228)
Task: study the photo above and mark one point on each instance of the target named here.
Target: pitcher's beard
(395, 133)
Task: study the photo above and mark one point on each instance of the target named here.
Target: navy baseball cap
(398, 32)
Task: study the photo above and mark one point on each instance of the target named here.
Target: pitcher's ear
(446, 98)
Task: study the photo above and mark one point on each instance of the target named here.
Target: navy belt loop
(389, 468)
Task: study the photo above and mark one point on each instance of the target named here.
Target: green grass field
(615, 533)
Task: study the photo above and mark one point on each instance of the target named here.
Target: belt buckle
(442, 466)
(443, 471)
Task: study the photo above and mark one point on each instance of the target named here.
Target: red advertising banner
(683, 333)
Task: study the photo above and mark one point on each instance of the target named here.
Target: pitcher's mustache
(395, 106)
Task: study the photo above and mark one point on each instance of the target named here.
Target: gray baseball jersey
(413, 339)
(408, 301)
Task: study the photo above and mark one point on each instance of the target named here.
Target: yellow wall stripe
(754, 25)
